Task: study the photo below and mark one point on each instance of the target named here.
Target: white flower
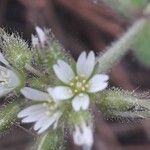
(44, 114)
(78, 84)
(83, 136)
(8, 78)
(40, 39)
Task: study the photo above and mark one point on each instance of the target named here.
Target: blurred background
(88, 25)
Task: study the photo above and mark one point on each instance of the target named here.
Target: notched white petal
(13, 79)
(42, 36)
(80, 66)
(52, 119)
(90, 64)
(67, 69)
(61, 74)
(98, 83)
(25, 112)
(60, 93)
(3, 60)
(81, 101)
(33, 94)
(85, 65)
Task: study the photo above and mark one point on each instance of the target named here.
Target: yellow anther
(75, 91)
(83, 81)
(44, 104)
(71, 84)
(83, 88)
(76, 77)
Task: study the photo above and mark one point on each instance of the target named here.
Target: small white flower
(80, 84)
(83, 136)
(40, 39)
(44, 114)
(8, 78)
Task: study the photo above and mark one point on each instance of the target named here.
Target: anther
(71, 84)
(83, 81)
(83, 88)
(76, 77)
(75, 91)
(44, 104)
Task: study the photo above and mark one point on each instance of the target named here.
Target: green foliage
(52, 140)
(8, 114)
(127, 8)
(16, 50)
(114, 100)
(76, 118)
(141, 46)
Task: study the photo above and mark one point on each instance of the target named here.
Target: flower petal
(34, 116)
(4, 91)
(41, 35)
(25, 112)
(14, 80)
(35, 41)
(49, 122)
(77, 136)
(98, 83)
(81, 64)
(85, 65)
(87, 136)
(81, 101)
(67, 69)
(90, 64)
(3, 60)
(60, 93)
(33, 94)
(63, 71)
(39, 123)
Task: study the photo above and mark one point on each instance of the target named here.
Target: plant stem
(120, 47)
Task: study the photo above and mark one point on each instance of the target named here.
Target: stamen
(44, 104)
(83, 81)
(76, 91)
(76, 77)
(71, 84)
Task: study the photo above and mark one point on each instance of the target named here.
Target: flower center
(52, 106)
(79, 84)
(4, 78)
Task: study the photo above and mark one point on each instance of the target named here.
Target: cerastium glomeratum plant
(47, 87)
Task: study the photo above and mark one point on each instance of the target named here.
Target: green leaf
(8, 114)
(51, 140)
(141, 46)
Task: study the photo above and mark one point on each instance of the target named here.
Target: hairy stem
(120, 47)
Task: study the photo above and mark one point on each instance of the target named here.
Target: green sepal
(8, 114)
(51, 140)
(16, 50)
(114, 100)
